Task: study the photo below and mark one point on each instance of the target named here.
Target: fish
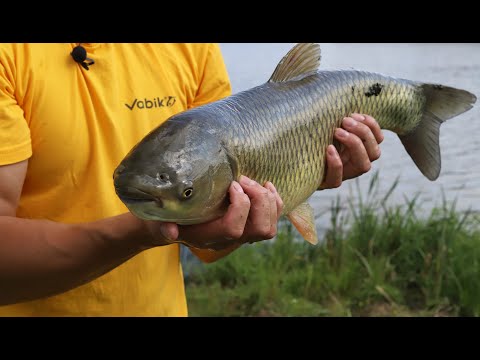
(278, 131)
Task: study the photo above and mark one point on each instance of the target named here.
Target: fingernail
(358, 117)
(237, 187)
(246, 180)
(341, 133)
(331, 151)
(349, 122)
(271, 187)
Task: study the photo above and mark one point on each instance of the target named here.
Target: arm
(40, 258)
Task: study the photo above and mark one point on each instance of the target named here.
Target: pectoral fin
(303, 218)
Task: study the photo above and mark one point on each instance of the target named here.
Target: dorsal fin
(303, 60)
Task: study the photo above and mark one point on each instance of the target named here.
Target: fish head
(179, 173)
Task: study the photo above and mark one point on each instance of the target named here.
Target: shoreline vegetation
(375, 259)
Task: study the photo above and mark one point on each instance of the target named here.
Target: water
(456, 65)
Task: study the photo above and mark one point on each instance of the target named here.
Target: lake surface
(456, 65)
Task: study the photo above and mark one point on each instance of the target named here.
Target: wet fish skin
(279, 132)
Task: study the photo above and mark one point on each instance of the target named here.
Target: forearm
(41, 258)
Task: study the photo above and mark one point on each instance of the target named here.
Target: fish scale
(277, 132)
(284, 140)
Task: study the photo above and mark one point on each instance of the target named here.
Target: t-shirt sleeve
(15, 141)
(215, 82)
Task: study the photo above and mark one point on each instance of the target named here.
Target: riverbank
(375, 260)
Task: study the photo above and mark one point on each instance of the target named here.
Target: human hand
(359, 148)
(252, 216)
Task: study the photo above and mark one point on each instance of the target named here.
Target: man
(68, 246)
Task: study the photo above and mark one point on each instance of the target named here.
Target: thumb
(163, 231)
(169, 231)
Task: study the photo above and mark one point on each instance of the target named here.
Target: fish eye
(187, 193)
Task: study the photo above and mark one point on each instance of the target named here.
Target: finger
(169, 231)
(278, 199)
(342, 137)
(272, 201)
(372, 124)
(233, 222)
(162, 230)
(273, 209)
(359, 159)
(334, 171)
(259, 224)
(365, 134)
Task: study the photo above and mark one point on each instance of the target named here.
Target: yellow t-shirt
(75, 126)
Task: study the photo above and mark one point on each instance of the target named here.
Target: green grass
(375, 260)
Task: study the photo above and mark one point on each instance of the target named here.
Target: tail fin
(422, 144)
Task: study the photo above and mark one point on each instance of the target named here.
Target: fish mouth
(135, 196)
(130, 200)
(146, 215)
